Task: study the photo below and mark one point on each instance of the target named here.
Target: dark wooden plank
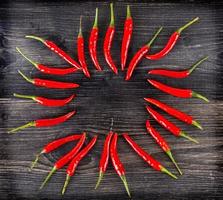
(107, 96)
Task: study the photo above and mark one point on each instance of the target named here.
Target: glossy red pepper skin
(80, 52)
(170, 73)
(108, 42)
(48, 102)
(75, 161)
(139, 55)
(104, 158)
(128, 27)
(93, 39)
(177, 92)
(53, 47)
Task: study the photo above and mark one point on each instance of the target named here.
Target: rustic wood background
(107, 96)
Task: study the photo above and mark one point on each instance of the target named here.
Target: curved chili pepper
(108, 42)
(45, 122)
(175, 130)
(139, 55)
(80, 51)
(119, 168)
(182, 93)
(174, 112)
(49, 70)
(48, 83)
(93, 42)
(75, 161)
(54, 145)
(171, 42)
(162, 143)
(147, 157)
(128, 27)
(53, 47)
(177, 74)
(47, 102)
(104, 158)
(65, 159)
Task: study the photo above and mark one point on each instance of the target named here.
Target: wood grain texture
(107, 96)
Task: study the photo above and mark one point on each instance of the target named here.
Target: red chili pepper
(147, 157)
(48, 83)
(75, 161)
(104, 158)
(171, 42)
(45, 122)
(119, 168)
(65, 159)
(177, 74)
(80, 51)
(162, 143)
(47, 102)
(175, 130)
(139, 55)
(49, 70)
(93, 42)
(54, 145)
(174, 112)
(182, 93)
(108, 42)
(128, 27)
(53, 47)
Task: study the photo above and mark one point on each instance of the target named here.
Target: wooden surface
(107, 96)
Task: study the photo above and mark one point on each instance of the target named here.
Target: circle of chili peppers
(110, 151)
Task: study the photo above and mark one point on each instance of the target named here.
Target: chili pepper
(147, 157)
(93, 39)
(174, 112)
(175, 130)
(80, 51)
(48, 83)
(139, 55)
(108, 42)
(162, 143)
(75, 161)
(104, 158)
(171, 42)
(53, 47)
(182, 93)
(119, 168)
(49, 70)
(47, 102)
(126, 37)
(177, 74)
(54, 145)
(45, 122)
(65, 159)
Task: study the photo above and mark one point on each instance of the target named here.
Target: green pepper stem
(32, 62)
(96, 19)
(183, 134)
(30, 124)
(128, 12)
(154, 37)
(173, 160)
(80, 28)
(195, 123)
(164, 170)
(123, 178)
(187, 25)
(25, 77)
(35, 38)
(24, 96)
(112, 21)
(99, 179)
(36, 160)
(196, 64)
(48, 177)
(66, 184)
(197, 95)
